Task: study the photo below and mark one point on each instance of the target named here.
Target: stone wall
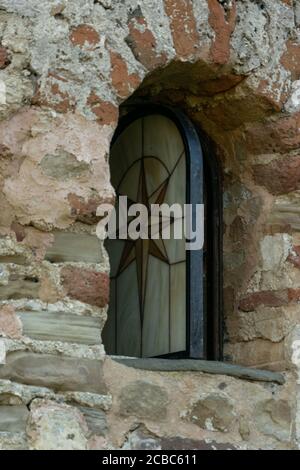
(65, 69)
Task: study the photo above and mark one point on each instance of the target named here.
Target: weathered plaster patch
(10, 324)
(87, 141)
(2, 352)
(62, 165)
(274, 251)
(293, 103)
(23, 7)
(2, 93)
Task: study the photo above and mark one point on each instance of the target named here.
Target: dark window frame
(204, 325)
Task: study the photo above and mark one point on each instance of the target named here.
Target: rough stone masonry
(65, 69)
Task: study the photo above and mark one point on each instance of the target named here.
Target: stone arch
(228, 111)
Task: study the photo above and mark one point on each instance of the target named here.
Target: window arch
(165, 300)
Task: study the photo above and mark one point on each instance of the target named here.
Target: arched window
(165, 299)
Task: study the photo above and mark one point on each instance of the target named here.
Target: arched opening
(165, 293)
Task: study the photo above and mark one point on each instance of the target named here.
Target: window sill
(195, 365)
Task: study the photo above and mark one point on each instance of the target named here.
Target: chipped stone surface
(142, 439)
(67, 306)
(274, 418)
(59, 373)
(258, 352)
(96, 420)
(214, 412)
(80, 138)
(65, 69)
(10, 324)
(268, 323)
(185, 389)
(144, 400)
(13, 419)
(87, 286)
(62, 165)
(19, 287)
(93, 352)
(13, 441)
(53, 426)
(12, 393)
(293, 104)
(274, 251)
(280, 175)
(285, 211)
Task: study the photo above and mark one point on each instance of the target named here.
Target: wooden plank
(209, 367)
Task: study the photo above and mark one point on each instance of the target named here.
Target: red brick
(143, 44)
(272, 229)
(272, 91)
(65, 102)
(106, 112)
(85, 211)
(84, 34)
(4, 58)
(280, 176)
(295, 257)
(183, 26)
(223, 25)
(53, 97)
(294, 295)
(291, 59)
(278, 136)
(264, 298)
(123, 82)
(87, 286)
